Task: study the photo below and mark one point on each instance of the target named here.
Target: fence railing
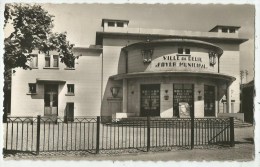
(92, 134)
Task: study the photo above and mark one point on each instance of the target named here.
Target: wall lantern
(147, 55)
(212, 58)
(199, 97)
(166, 96)
(114, 91)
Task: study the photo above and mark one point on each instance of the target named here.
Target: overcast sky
(81, 21)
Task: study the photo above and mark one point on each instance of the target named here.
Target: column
(228, 100)
(124, 95)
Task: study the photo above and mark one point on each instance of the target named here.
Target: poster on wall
(184, 110)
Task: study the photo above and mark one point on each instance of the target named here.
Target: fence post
(38, 134)
(97, 136)
(232, 132)
(148, 133)
(192, 132)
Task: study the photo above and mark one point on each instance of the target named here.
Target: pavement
(242, 151)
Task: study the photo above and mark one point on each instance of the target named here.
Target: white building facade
(136, 72)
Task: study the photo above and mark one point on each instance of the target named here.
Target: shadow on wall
(121, 68)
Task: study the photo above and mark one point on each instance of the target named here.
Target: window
(55, 61)
(34, 61)
(232, 30)
(180, 50)
(120, 24)
(111, 24)
(185, 51)
(72, 65)
(70, 88)
(47, 61)
(32, 88)
(224, 30)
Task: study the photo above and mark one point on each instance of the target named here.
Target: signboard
(180, 61)
(176, 62)
(184, 110)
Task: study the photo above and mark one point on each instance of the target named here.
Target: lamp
(212, 58)
(166, 96)
(199, 97)
(147, 55)
(114, 91)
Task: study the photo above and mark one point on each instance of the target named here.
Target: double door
(51, 100)
(150, 100)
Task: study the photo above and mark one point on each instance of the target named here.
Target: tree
(32, 30)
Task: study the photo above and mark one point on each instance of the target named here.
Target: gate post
(232, 132)
(97, 136)
(148, 133)
(192, 132)
(38, 134)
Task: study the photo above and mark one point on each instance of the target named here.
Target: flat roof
(142, 36)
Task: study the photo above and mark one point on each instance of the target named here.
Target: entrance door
(51, 100)
(150, 100)
(70, 111)
(183, 100)
(209, 100)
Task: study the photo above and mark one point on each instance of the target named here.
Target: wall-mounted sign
(184, 109)
(180, 61)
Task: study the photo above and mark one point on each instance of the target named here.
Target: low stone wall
(239, 116)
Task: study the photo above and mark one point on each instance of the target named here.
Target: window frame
(183, 51)
(47, 57)
(70, 90)
(111, 24)
(55, 57)
(30, 90)
(32, 64)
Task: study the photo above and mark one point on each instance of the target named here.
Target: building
(136, 72)
(247, 101)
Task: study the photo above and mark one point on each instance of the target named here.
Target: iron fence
(92, 134)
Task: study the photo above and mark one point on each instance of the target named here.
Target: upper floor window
(120, 24)
(34, 61)
(111, 24)
(55, 61)
(185, 51)
(47, 61)
(232, 30)
(224, 30)
(71, 67)
(32, 88)
(51, 61)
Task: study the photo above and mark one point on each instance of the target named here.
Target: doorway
(183, 101)
(150, 100)
(209, 100)
(70, 112)
(51, 100)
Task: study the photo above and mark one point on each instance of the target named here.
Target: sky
(81, 21)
